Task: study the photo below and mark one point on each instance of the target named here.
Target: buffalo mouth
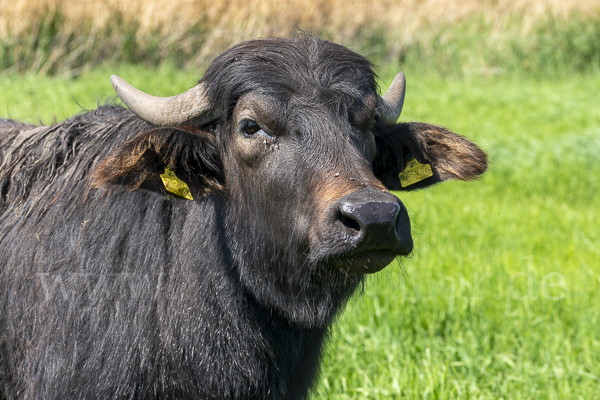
(367, 262)
(364, 231)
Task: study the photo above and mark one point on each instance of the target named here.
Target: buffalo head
(293, 142)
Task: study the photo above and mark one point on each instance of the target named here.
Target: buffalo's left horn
(190, 107)
(392, 101)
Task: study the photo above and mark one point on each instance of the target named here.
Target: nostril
(350, 223)
(368, 221)
(372, 224)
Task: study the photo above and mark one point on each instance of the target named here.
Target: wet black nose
(376, 221)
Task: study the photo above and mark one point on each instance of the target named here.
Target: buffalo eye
(376, 122)
(249, 128)
(373, 123)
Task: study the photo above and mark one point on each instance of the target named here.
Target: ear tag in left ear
(414, 172)
(175, 185)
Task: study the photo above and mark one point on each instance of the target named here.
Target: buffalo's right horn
(392, 101)
(190, 107)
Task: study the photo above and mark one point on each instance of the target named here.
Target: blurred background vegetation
(501, 297)
(449, 37)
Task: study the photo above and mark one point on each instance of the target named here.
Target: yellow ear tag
(414, 172)
(175, 185)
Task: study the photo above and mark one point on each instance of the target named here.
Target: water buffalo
(199, 246)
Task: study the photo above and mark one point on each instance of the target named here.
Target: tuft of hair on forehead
(284, 67)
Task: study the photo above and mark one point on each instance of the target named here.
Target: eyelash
(249, 128)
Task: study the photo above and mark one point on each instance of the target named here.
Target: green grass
(31, 97)
(501, 298)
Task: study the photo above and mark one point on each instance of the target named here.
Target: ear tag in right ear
(414, 172)
(175, 185)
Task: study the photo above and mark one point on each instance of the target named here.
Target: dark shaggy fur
(113, 288)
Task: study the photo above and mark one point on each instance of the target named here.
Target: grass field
(450, 37)
(501, 298)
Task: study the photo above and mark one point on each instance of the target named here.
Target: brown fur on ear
(451, 156)
(139, 162)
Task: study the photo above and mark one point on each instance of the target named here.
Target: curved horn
(393, 100)
(191, 107)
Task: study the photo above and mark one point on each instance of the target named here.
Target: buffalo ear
(192, 155)
(449, 155)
